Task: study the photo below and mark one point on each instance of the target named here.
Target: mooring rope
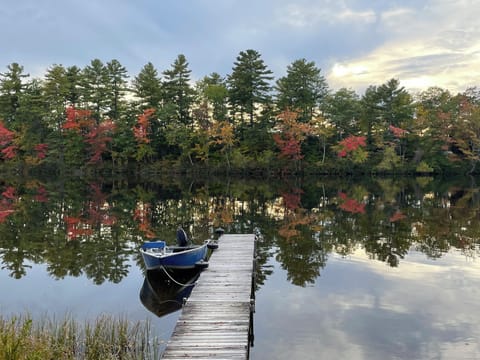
(175, 281)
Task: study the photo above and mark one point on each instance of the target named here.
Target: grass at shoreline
(105, 338)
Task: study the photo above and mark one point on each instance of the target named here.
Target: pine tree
(95, 88)
(55, 91)
(147, 87)
(117, 87)
(177, 90)
(302, 89)
(12, 88)
(249, 84)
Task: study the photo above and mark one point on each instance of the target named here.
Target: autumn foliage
(291, 135)
(142, 217)
(41, 150)
(142, 127)
(77, 119)
(350, 205)
(292, 199)
(350, 145)
(96, 135)
(7, 203)
(95, 215)
(397, 216)
(397, 132)
(9, 149)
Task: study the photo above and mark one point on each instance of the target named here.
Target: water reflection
(92, 229)
(163, 293)
(363, 309)
(348, 268)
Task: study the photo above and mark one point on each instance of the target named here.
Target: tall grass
(105, 338)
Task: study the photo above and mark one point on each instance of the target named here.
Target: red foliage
(95, 215)
(9, 193)
(290, 147)
(71, 220)
(7, 203)
(351, 205)
(141, 128)
(351, 144)
(77, 119)
(292, 134)
(6, 136)
(74, 227)
(292, 200)
(397, 216)
(141, 214)
(98, 137)
(397, 132)
(10, 151)
(4, 213)
(41, 195)
(41, 150)
(98, 208)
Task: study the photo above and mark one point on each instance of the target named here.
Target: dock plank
(215, 322)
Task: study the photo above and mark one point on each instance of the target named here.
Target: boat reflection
(164, 292)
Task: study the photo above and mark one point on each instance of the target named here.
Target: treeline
(97, 117)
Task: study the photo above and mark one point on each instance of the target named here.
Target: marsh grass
(105, 338)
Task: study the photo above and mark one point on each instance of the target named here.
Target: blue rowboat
(156, 254)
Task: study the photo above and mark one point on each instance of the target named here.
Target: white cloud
(422, 48)
(356, 43)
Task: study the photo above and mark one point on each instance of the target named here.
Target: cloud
(356, 43)
(361, 308)
(425, 47)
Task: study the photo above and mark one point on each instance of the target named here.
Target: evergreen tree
(249, 84)
(302, 89)
(56, 89)
(12, 86)
(147, 87)
(396, 104)
(370, 116)
(212, 91)
(95, 88)
(117, 86)
(74, 77)
(178, 94)
(342, 109)
(31, 124)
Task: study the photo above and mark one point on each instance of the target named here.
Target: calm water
(349, 269)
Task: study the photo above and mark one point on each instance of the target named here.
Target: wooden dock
(217, 320)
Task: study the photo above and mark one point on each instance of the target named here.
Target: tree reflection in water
(95, 228)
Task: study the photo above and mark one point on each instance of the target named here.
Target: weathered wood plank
(215, 321)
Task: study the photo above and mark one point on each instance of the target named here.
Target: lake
(354, 268)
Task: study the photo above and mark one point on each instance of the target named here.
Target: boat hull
(175, 258)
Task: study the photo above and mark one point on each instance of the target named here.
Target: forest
(98, 119)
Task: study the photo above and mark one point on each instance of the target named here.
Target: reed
(105, 338)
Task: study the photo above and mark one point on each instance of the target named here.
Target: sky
(355, 43)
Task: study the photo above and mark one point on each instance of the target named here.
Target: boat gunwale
(164, 254)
